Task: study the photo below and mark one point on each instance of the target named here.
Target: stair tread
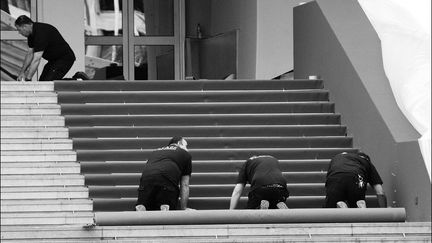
(44, 189)
(30, 106)
(40, 215)
(34, 140)
(66, 164)
(34, 129)
(18, 93)
(38, 177)
(31, 117)
(44, 201)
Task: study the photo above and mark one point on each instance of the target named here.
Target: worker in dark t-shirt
(268, 186)
(166, 168)
(347, 178)
(44, 41)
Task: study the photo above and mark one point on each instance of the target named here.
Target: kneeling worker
(165, 169)
(268, 186)
(347, 178)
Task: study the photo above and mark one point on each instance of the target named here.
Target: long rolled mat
(351, 215)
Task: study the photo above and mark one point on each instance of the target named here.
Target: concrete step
(28, 98)
(30, 109)
(105, 167)
(35, 165)
(341, 232)
(20, 156)
(36, 144)
(186, 85)
(216, 142)
(41, 180)
(204, 119)
(197, 108)
(51, 192)
(34, 132)
(32, 121)
(27, 86)
(19, 93)
(215, 153)
(46, 218)
(30, 168)
(192, 96)
(46, 205)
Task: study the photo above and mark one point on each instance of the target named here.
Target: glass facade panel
(11, 10)
(103, 18)
(104, 62)
(154, 62)
(12, 58)
(154, 17)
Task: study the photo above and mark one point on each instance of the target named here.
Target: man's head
(24, 25)
(179, 141)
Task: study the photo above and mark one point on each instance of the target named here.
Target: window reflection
(154, 62)
(103, 17)
(154, 17)
(12, 57)
(11, 9)
(104, 62)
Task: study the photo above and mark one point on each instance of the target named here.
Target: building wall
(68, 17)
(275, 38)
(228, 15)
(352, 68)
(197, 12)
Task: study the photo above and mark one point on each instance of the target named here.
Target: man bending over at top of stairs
(268, 186)
(44, 41)
(166, 167)
(347, 178)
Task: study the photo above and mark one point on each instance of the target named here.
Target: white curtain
(404, 28)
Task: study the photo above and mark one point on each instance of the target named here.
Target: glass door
(134, 40)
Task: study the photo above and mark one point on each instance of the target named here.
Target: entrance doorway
(134, 40)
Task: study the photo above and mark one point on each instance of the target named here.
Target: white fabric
(404, 28)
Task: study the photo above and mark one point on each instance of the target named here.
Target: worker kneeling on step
(166, 168)
(347, 177)
(268, 186)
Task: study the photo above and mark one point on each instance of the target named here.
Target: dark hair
(175, 139)
(22, 20)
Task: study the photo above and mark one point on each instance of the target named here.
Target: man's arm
(37, 56)
(27, 61)
(238, 190)
(184, 192)
(382, 199)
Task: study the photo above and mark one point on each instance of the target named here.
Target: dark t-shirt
(48, 39)
(353, 163)
(260, 171)
(166, 166)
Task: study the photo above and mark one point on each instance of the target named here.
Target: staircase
(40, 178)
(114, 125)
(109, 127)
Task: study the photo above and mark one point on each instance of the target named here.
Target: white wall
(68, 17)
(227, 15)
(275, 38)
(407, 62)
